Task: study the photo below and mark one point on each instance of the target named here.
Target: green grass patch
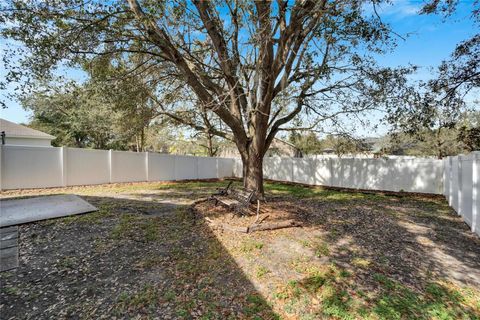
(257, 308)
(300, 191)
(144, 299)
(337, 297)
(138, 228)
(262, 271)
(321, 249)
(438, 301)
(250, 245)
(104, 211)
(361, 262)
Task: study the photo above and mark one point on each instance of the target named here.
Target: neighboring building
(18, 135)
(278, 148)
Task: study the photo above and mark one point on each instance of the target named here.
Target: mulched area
(147, 254)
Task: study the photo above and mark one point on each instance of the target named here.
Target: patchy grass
(326, 194)
(321, 249)
(132, 227)
(104, 211)
(361, 262)
(249, 245)
(133, 303)
(262, 271)
(358, 256)
(331, 293)
(439, 300)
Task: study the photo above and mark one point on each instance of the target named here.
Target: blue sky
(429, 40)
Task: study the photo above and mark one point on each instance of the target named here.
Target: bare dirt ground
(146, 254)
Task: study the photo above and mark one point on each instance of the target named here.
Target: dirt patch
(133, 259)
(409, 241)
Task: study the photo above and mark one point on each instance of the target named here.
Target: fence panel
(466, 196)
(323, 172)
(476, 192)
(87, 166)
(31, 167)
(409, 175)
(186, 168)
(161, 167)
(304, 170)
(43, 167)
(225, 167)
(446, 177)
(128, 166)
(280, 169)
(207, 168)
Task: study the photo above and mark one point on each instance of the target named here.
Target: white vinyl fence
(458, 178)
(42, 167)
(410, 175)
(462, 187)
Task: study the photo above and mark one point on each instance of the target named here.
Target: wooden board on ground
(18, 211)
(8, 248)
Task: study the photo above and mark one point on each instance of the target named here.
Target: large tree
(238, 58)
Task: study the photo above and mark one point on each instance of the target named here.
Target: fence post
(476, 191)
(461, 166)
(445, 177)
(450, 185)
(63, 163)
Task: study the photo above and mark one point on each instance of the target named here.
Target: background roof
(16, 130)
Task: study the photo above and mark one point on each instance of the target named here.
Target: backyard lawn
(147, 254)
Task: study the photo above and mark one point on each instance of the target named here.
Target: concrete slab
(18, 211)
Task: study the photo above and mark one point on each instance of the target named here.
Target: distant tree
(75, 117)
(343, 144)
(428, 115)
(470, 137)
(469, 131)
(87, 115)
(307, 142)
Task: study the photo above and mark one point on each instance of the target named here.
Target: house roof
(16, 130)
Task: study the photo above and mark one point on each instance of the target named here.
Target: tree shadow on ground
(359, 255)
(121, 262)
(380, 255)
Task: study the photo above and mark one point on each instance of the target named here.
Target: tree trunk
(253, 172)
(142, 139)
(210, 147)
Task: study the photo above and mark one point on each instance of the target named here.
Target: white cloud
(397, 9)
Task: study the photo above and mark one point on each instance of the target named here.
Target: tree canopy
(251, 66)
